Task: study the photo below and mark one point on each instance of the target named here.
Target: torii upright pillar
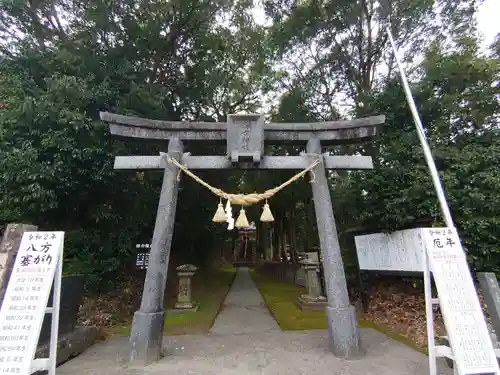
(147, 327)
(341, 315)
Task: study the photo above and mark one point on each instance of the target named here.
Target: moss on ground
(209, 290)
(280, 299)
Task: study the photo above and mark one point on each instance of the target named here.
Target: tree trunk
(283, 243)
(233, 244)
(277, 240)
(292, 237)
(311, 232)
(271, 243)
(264, 240)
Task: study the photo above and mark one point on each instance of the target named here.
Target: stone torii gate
(244, 136)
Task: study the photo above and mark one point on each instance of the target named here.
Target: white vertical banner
(37, 267)
(463, 316)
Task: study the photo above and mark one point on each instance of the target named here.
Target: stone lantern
(184, 302)
(313, 300)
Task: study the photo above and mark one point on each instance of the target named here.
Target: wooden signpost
(38, 265)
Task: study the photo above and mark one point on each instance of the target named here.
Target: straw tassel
(220, 215)
(242, 221)
(267, 215)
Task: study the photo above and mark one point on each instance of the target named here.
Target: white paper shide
(25, 301)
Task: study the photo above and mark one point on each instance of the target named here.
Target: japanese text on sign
(462, 313)
(142, 261)
(245, 136)
(397, 251)
(26, 298)
(38, 253)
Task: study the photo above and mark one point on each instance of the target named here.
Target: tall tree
(64, 61)
(339, 50)
(458, 101)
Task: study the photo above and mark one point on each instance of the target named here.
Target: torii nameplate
(245, 138)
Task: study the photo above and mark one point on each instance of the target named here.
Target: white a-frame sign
(470, 344)
(38, 265)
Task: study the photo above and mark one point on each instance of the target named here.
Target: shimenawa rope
(244, 199)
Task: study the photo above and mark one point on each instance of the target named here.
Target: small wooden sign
(463, 317)
(25, 303)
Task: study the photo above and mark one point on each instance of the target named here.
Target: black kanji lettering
(47, 259)
(46, 247)
(449, 241)
(437, 243)
(26, 260)
(33, 248)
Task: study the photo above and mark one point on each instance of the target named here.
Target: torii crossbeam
(244, 136)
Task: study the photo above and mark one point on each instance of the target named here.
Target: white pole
(54, 329)
(421, 135)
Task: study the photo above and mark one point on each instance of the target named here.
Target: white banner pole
(54, 329)
(421, 135)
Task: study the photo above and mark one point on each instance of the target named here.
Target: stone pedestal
(313, 300)
(69, 345)
(184, 302)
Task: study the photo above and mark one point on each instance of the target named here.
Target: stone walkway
(245, 339)
(244, 310)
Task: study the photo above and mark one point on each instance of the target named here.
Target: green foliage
(161, 59)
(63, 61)
(56, 161)
(457, 99)
(338, 51)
